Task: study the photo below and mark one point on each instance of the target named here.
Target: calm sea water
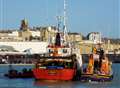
(31, 83)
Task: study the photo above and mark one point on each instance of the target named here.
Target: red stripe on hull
(54, 74)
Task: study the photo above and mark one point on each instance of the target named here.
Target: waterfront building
(10, 36)
(74, 37)
(25, 31)
(48, 33)
(35, 35)
(95, 37)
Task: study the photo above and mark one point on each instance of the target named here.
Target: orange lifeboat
(56, 66)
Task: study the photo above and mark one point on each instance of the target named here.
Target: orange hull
(53, 74)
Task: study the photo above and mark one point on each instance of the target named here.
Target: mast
(59, 22)
(65, 32)
(65, 28)
(58, 36)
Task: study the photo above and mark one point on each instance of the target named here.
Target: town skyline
(83, 16)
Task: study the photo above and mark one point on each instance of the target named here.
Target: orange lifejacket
(91, 60)
(89, 69)
(104, 67)
(90, 65)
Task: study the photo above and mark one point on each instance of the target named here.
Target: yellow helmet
(90, 65)
(94, 50)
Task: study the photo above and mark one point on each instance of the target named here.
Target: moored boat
(98, 69)
(12, 73)
(60, 64)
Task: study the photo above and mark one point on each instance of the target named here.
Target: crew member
(105, 66)
(90, 65)
(100, 51)
(96, 59)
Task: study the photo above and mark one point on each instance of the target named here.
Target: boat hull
(53, 74)
(96, 77)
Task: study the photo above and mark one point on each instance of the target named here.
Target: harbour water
(31, 83)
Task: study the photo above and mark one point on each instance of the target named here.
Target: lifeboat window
(50, 51)
(68, 65)
(64, 50)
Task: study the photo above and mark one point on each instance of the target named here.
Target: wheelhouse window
(64, 50)
(50, 51)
